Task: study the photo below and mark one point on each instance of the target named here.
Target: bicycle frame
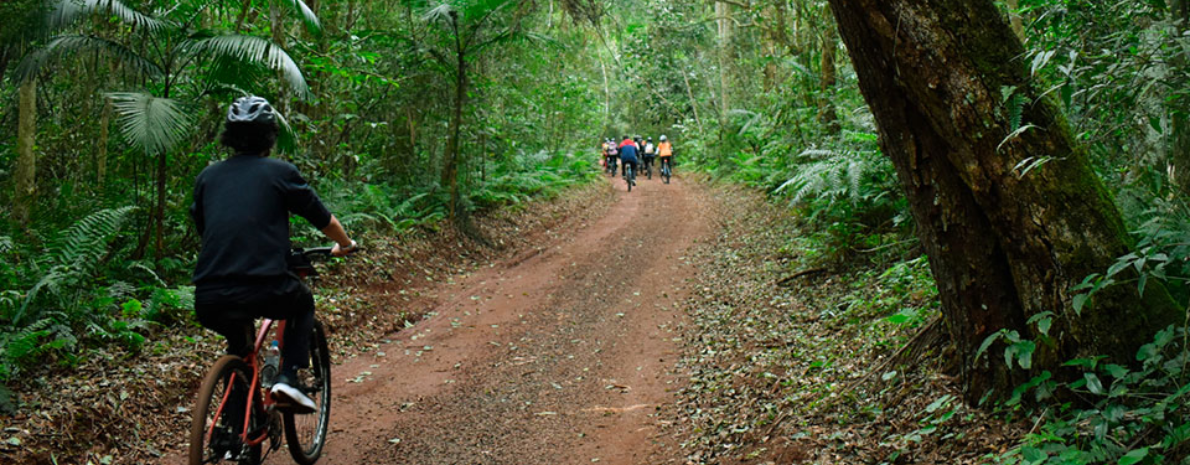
(253, 387)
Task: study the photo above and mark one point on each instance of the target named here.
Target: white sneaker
(290, 397)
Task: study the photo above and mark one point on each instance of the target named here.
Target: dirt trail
(561, 355)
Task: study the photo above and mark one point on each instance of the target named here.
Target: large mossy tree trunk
(26, 167)
(1003, 245)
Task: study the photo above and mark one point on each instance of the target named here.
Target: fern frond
(1016, 105)
(86, 240)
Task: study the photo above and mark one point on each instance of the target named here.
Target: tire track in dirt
(561, 355)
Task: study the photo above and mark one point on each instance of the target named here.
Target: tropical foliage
(421, 112)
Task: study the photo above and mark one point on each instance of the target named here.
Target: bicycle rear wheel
(628, 178)
(218, 415)
(306, 434)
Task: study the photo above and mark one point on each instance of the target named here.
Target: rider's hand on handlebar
(340, 251)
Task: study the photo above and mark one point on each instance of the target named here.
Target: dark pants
(649, 162)
(624, 166)
(232, 309)
(667, 161)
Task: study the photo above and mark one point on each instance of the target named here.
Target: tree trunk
(450, 169)
(693, 102)
(278, 30)
(1180, 111)
(105, 119)
(1014, 18)
(26, 169)
(723, 21)
(826, 101)
(1003, 246)
(159, 214)
(244, 7)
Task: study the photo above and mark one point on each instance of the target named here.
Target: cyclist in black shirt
(241, 208)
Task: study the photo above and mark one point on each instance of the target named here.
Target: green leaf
(1134, 456)
(151, 123)
(987, 342)
(67, 12)
(1093, 383)
(1079, 301)
(1024, 350)
(1033, 454)
(255, 50)
(69, 45)
(307, 15)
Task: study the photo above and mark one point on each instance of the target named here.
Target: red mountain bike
(234, 414)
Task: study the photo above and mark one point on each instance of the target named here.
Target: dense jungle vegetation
(1036, 152)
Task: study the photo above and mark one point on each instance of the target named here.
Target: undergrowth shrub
(383, 207)
(58, 299)
(1113, 411)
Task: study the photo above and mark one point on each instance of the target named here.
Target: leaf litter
(779, 375)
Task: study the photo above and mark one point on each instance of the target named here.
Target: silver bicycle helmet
(251, 109)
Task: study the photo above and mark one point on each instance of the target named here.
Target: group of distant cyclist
(633, 154)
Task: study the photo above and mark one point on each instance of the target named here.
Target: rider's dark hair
(249, 138)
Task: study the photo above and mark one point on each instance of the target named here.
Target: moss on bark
(935, 73)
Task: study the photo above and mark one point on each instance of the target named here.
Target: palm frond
(259, 51)
(151, 123)
(307, 15)
(67, 45)
(287, 141)
(66, 12)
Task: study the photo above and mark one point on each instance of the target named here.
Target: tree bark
(1003, 246)
(450, 169)
(26, 169)
(105, 119)
(1014, 18)
(159, 214)
(278, 30)
(1180, 111)
(826, 99)
(723, 21)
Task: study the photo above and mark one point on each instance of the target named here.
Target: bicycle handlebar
(324, 251)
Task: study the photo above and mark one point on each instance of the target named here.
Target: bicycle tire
(212, 389)
(629, 177)
(307, 450)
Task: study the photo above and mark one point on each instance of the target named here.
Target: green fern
(838, 176)
(1016, 105)
(24, 345)
(86, 240)
(74, 254)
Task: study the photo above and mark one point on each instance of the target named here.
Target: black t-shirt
(241, 207)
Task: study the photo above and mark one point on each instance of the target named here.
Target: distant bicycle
(234, 415)
(611, 166)
(666, 170)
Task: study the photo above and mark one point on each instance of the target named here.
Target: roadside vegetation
(977, 253)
